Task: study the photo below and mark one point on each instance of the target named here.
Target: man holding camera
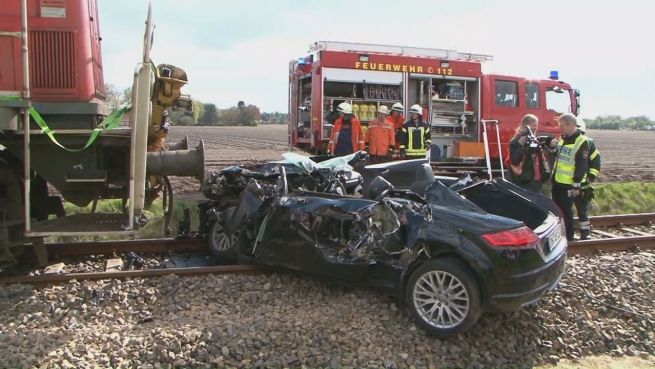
(570, 169)
(528, 166)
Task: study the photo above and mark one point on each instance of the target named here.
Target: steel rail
(575, 248)
(611, 245)
(622, 219)
(47, 279)
(586, 247)
(147, 246)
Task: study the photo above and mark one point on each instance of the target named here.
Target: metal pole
(500, 152)
(486, 146)
(26, 117)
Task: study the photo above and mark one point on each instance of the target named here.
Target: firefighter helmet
(345, 108)
(416, 109)
(581, 124)
(383, 110)
(397, 107)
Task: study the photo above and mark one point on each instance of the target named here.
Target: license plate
(554, 239)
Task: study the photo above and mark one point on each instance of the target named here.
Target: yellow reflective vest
(565, 165)
(415, 138)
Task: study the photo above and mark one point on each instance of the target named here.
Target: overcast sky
(240, 50)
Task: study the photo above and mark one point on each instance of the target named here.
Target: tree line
(616, 122)
(204, 114)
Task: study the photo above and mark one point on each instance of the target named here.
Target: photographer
(528, 165)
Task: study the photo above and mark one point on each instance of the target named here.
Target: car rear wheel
(444, 297)
(221, 244)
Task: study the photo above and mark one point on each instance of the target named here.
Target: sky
(240, 50)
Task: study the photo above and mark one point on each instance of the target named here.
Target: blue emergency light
(554, 75)
(302, 61)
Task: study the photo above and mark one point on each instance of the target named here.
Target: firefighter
(397, 119)
(381, 137)
(570, 169)
(587, 193)
(347, 136)
(396, 116)
(415, 135)
(528, 166)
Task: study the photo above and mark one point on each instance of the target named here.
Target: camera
(533, 140)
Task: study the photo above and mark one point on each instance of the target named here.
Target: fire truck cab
(458, 99)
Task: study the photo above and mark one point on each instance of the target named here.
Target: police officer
(587, 193)
(570, 169)
(415, 135)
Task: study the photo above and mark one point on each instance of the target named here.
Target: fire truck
(58, 141)
(463, 105)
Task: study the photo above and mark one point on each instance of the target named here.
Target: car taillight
(522, 238)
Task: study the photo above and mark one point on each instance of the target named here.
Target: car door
(312, 234)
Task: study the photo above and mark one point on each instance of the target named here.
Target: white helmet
(416, 108)
(383, 109)
(580, 123)
(397, 107)
(345, 108)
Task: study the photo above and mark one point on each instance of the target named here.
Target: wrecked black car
(450, 255)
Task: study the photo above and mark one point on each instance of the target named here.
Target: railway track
(617, 233)
(612, 233)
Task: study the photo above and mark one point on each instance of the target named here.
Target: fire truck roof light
(554, 75)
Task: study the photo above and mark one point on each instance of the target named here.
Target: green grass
(154, 228)
(623, 198)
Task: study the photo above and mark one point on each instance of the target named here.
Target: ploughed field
(226, 146)
(626, 155)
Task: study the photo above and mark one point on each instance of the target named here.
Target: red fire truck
(458, 99)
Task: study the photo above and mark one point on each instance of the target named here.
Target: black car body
(451, 254)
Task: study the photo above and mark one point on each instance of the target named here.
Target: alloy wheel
(441, 299)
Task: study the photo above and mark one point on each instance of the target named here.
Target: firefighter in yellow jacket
(414, 140)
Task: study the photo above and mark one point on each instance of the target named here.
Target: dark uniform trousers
(582, 208)
(565, 203)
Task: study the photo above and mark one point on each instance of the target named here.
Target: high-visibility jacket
(572, 160)
(415, 138)
(397, 121)
(594, 159)
(357, 134)
(381, 137)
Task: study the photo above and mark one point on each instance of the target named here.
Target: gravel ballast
(604, 305)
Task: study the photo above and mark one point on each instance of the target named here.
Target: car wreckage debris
(449, 251)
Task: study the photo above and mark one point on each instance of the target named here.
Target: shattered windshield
(300, 161)
(338, 163)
